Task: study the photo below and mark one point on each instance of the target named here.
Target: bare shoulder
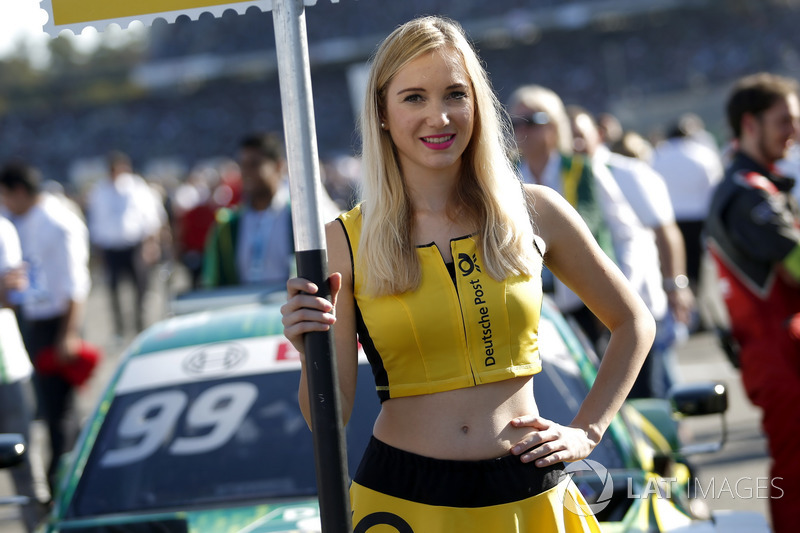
(549, 210)
(334, 232)
(339, 259)
(542, 198)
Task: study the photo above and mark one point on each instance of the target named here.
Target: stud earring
(383, 125)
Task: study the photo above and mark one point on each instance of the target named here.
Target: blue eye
(458, 95)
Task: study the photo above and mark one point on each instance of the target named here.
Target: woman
(438, 275)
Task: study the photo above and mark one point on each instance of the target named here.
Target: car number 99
(150, 422)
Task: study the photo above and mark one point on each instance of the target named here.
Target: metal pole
(294, 73)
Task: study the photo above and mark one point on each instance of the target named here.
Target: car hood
(296, 516)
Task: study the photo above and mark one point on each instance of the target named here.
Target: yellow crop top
(445, 335)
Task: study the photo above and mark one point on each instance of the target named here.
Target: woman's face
(430, 113)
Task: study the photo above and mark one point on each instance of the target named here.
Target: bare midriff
(463, 424)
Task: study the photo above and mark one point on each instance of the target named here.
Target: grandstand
(204, 83)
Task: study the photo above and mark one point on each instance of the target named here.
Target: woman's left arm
(576, 259)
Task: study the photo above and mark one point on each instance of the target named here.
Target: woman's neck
(433, 195)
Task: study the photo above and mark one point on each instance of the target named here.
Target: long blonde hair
(489, 188)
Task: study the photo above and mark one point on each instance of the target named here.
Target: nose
(439, 115)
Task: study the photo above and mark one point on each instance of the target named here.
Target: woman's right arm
(304, 312)
(575, 258)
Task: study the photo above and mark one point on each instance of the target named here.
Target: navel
(464, 429)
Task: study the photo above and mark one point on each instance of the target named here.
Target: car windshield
(209, 441)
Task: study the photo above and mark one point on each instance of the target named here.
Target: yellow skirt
(395, 491)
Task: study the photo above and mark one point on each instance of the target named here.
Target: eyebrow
(420, 89)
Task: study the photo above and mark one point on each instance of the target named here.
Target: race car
(199, 430)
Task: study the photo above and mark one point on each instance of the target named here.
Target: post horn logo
(467, 264)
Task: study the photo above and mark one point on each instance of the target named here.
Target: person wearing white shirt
(55, 251)
(658, 270)
(125, 221)
(253, 244)
(691, 171)
(16, 392)
(544, 138)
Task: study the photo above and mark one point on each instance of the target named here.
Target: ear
(749, 123)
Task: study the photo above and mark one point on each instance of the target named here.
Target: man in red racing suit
(753, 234)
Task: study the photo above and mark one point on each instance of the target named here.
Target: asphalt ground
(731, 479)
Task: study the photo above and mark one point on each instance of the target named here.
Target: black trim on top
(349, 248)
(451, 269)
(373, 356)
(454, 239)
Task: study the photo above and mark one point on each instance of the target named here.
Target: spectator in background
(342, 177)
(658, 270)
(126, 218)
(16, 392)
(55, 249)
(544, 138)
(632, 144)
(691, 171)
(56, 189)
(254, 244)
(194, 209)
(695, 128)
(754, 238)
(610, 128)
(191, 234)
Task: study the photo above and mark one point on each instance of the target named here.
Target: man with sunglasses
(753, 234)
(547, 157)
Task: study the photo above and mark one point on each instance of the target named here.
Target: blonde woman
(438, 274)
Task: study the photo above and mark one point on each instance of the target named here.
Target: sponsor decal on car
(241, 357)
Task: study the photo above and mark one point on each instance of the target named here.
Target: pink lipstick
(439, 142)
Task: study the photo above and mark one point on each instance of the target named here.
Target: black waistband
(413, 477)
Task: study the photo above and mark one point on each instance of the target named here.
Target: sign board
(76, 15)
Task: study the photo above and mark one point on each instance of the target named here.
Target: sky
(22, 20)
